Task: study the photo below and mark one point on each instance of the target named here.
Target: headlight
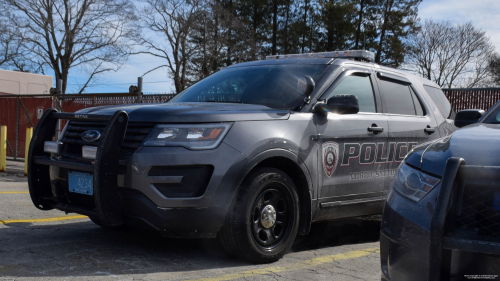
(197, 136)
(412, 183)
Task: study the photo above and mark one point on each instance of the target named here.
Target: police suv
(252, 155)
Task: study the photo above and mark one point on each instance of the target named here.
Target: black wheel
(263, 221)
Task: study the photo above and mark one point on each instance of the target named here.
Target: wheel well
(294, 171)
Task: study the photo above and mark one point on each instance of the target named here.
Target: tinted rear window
(397, 98)
(438, 97)
(418, 106)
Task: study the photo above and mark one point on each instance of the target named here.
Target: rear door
(350, 145)
(409, 118)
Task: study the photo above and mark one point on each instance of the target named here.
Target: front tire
(263, 221)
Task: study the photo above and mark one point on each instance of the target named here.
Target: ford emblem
(91, 136)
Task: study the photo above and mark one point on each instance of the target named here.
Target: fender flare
(308, 208)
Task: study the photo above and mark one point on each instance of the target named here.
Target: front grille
(73, 142)
(135, 135)
(480, 211)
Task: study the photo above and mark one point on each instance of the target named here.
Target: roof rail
(353, 54)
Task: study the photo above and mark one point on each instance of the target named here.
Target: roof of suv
(324, 61)
(335, 61)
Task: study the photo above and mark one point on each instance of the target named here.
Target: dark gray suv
(252, 155)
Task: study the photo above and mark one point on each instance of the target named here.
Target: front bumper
(404, 245)
(420, 241)
(137, 188)
(404, 254)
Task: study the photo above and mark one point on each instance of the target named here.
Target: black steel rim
(277, 196)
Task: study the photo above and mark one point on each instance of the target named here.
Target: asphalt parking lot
(50, 245)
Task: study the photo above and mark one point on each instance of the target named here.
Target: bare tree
(5, 44)
(173, 21)
(451, 55)
(92, 36)
(9, 45)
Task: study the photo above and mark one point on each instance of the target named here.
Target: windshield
(493, 117)
(274, 86)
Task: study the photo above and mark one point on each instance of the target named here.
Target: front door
(350, 149)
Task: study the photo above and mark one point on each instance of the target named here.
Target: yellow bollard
(29, 135)
(3, 148)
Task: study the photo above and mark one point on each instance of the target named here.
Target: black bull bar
(453, 205)
(104, 168)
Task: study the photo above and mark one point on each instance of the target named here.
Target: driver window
(359, 86)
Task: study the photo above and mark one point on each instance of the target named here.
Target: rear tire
(263, 220)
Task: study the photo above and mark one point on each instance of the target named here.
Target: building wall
(22, 83)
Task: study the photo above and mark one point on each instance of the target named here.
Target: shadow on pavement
(340, 232)
(84, 249)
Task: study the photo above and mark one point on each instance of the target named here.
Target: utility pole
(57, 103)
(139, 90)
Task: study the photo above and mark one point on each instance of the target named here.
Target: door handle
(429, 130)
(375, 129)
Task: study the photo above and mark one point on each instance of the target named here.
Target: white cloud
(484, 14)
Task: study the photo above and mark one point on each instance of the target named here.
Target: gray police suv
(252, 155)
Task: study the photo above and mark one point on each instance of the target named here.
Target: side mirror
(306, 85)
(341, 104)
(467, 117)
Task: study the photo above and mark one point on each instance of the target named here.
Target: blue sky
(484, 14)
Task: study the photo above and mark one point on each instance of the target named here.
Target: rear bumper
(146, 190)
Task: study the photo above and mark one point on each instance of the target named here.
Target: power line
(143, 62)
(114, 84)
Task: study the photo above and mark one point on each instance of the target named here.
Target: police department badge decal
(330, 157)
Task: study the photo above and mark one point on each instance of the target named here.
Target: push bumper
(104, 168)
(136, 188)
(440, 246)
(404, 248)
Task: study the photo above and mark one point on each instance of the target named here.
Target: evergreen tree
(255, 14)
(225, 32)
(397, 21)
(337, 18)
(494, 68)
(366, 30)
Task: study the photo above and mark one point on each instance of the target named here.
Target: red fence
(20, 112)
(481, 98)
